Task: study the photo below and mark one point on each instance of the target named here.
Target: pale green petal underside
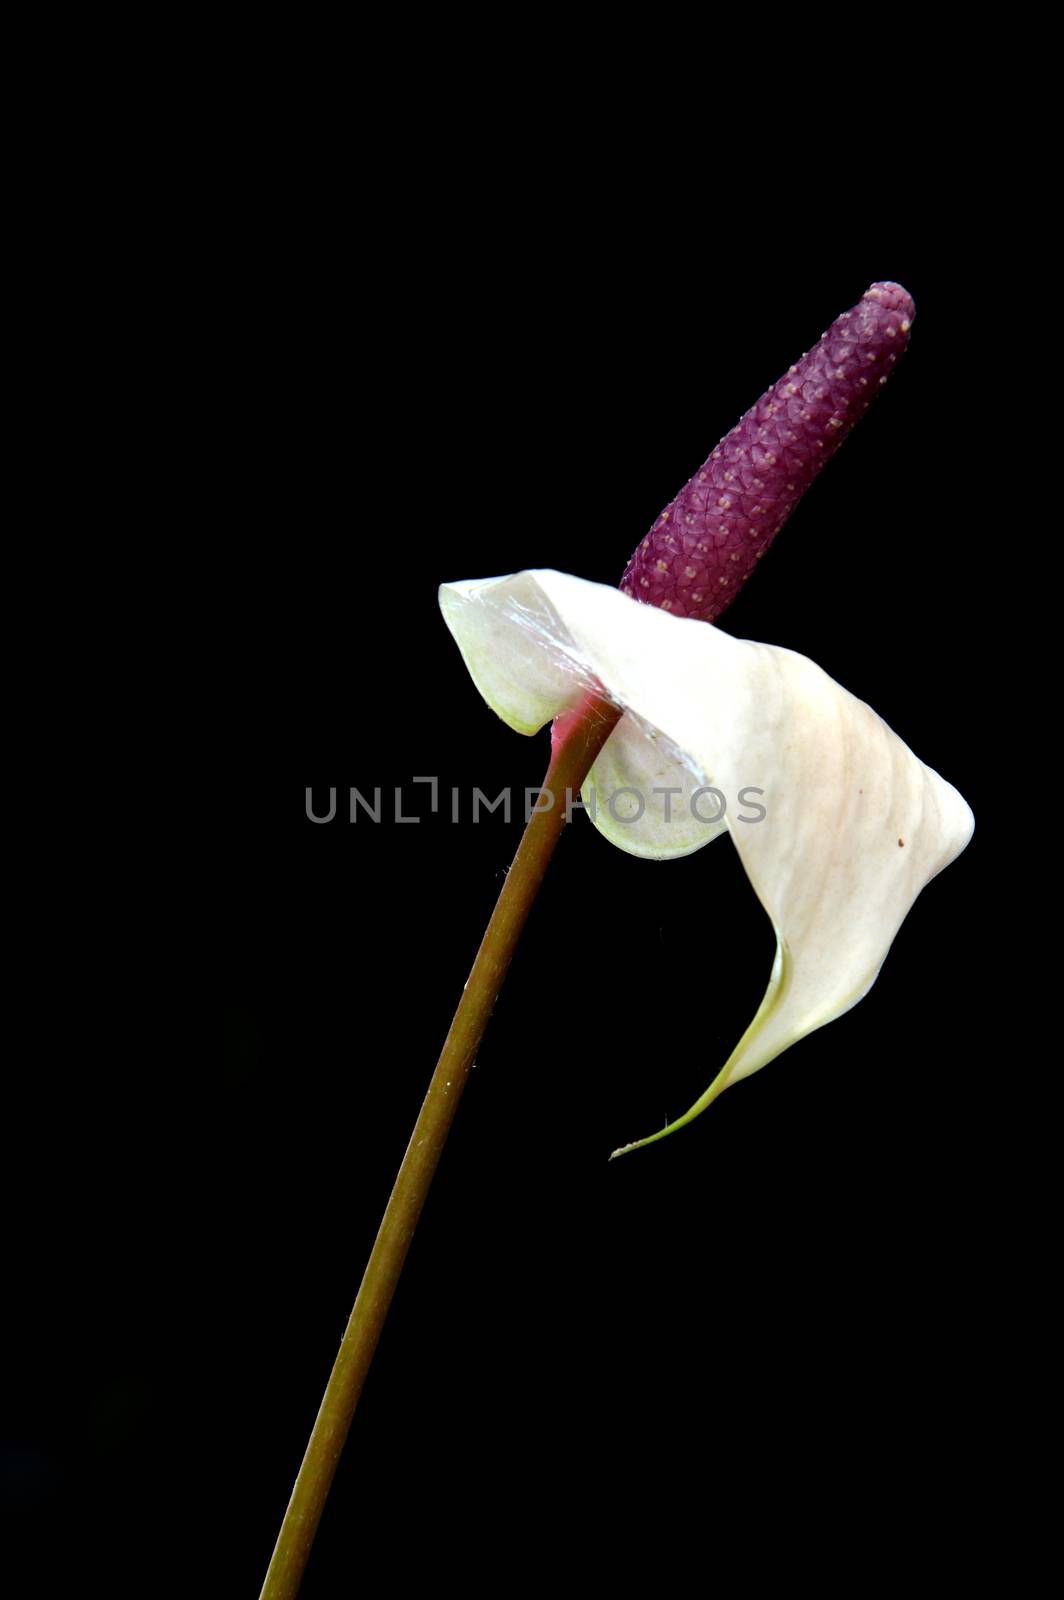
(855, 824)
(655, 822)
(528, 669)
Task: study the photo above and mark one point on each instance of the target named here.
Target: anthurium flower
(854, 824)
(848, 825)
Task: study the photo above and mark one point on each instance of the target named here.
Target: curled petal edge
(854, 824)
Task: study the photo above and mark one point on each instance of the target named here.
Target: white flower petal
(855, 824)
(650, 819)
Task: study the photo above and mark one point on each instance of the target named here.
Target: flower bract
(852, 824)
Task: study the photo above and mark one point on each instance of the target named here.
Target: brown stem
(570, 763)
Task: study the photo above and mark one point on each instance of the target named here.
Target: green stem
(571, 761)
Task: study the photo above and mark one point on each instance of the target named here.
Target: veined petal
(855, 824)
(529, 669)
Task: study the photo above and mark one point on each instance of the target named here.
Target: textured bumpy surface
(704, 545)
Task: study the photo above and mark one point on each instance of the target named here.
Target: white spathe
(854, 826)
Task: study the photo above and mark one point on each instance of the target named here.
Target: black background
(776, 1324)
